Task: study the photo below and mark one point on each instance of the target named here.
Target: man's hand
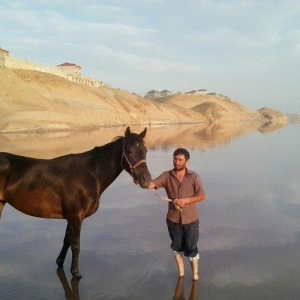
(176, 205)
(151, 185)
(180, 202)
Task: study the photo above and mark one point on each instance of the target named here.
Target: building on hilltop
(69, 71)
(202, 92)
(155, 94)
(165, 93)
(191, 92)
(198, 92)
(73, 73)
(70, 68)
(3, 52)
(152, 94)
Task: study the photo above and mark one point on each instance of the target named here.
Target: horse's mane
(117, 138)
(132, 135)
(107, 147)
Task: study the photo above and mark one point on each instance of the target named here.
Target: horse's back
(25, 186)
(49, 188)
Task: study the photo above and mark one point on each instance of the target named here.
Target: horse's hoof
(75, 272)
(77, 275)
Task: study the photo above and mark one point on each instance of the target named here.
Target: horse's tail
(4, 169)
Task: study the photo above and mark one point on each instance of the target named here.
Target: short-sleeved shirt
(190, 186)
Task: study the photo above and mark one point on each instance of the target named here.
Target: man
(184, 187)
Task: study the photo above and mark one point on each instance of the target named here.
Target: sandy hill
(215, 108)
(35, 101)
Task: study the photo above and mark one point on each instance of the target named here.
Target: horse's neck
(109, 162)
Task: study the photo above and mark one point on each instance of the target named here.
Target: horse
(69, 187)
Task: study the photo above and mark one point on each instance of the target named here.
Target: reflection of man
(184, 187)
(179, 290)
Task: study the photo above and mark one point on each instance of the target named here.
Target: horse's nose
(145, 180)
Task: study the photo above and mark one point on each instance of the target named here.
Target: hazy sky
(248, 50)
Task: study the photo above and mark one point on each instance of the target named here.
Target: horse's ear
(127, 131)
(143, 134)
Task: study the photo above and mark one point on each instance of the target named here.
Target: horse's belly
(38, 204)
(38, 211)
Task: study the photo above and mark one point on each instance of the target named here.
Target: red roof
(66, 64)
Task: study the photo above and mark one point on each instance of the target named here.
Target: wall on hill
(15, 63)
(10, 62)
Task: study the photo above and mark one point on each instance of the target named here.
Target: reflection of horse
(71, 292)
(69, 187)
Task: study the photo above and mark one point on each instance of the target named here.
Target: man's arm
(182, 202)
(151, 185)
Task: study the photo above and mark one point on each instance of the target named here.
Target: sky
(248, 50)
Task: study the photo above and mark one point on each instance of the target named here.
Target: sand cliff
(35, 101)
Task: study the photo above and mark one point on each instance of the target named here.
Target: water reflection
(71, 292)
(250, 222)
(271, 126)
(200, 137)
(179, 290)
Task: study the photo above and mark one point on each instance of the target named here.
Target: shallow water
(250, 221)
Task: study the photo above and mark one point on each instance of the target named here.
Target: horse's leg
(4, 168)
(2, 203)
(74, 231)
(62, 255)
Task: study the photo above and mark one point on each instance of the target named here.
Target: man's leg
(180, 264)
(194, 261)
(191, 234)
(176, 234)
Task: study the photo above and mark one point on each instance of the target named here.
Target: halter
(132, 167)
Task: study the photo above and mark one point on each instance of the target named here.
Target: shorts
(184, 238)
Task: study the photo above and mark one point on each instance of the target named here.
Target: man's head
(180, 158)
(182, 151)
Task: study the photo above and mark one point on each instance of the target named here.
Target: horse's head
(134, 157)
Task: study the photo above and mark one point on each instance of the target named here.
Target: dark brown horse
(69, 187)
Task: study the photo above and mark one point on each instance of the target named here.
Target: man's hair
(182, 151)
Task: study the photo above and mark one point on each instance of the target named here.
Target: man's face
(179, 162)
